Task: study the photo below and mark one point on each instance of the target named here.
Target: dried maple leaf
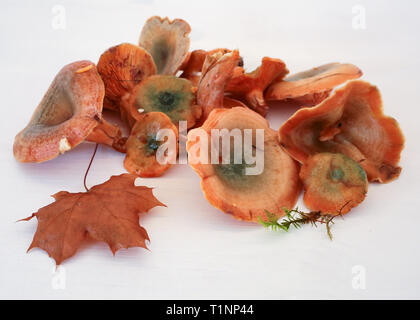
(108, 212)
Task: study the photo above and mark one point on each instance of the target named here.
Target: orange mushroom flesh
(217, 71)
(144, 142)
(122, 67)
(69, 113)
(168, 94)
(333, 183)
(228, 186)
(351, 122)
(251, 85)
(311, 87)
(167, 41)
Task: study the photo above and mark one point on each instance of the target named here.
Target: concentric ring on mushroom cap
(333, 183)
(167, 41)
(227, 188)
(312, 86)
(251, 85)
(168, 94)
(121, 68)
(143, 144)
(351, 122)
(67, 114)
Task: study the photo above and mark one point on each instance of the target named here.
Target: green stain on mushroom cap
(161, 52)
(234, 175)
(168, 94)
(333, 183)
(334, 174)
(151, 145)
(337, 174)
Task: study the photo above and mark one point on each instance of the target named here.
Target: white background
(197, 251)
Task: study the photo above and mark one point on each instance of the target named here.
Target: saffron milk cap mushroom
(229, 185)
(144, 142)
(122, 67)
(69, 113)
(312, 86)
(351, 121)
(333, 183)
(167, 41)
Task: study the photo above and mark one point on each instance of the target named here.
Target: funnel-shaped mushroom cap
(231, 187)
(143, 144)
(217, 71)
(168, 94)
(333, 183)
(167, 41)
(351, 122)
(251, 85)
(312, 86)
(121, 68)
(67, 114)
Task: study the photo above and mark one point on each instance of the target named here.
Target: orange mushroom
(167, 41)
(312, 86)
(333, 183)
(217, 70)
(192, 69)
(228, 185)
(168, 94)
(69, 113)
(144, 142)
(351, 122)
(251, 85)
(122, 67)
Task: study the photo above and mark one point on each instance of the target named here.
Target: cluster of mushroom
(334, 145)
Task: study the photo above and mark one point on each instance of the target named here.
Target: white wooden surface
(196, 251)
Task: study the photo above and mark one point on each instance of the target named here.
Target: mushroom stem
(108, 134)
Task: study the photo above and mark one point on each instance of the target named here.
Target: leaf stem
(88, 168)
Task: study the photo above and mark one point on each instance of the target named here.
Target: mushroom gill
(217, 70)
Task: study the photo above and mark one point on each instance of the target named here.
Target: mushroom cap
(167, 41)
(227, 186)
(142, 145)
(193, 68)
(217, 71)
(168, 94)
(333, 183)
(252, 85)
(121, 68)
(67, 114)
(312, 86)
(352, 122)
